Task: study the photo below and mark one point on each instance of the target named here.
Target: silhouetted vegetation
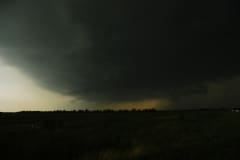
(120, 135)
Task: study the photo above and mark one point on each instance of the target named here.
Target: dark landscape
(121, 135)
(119, 80)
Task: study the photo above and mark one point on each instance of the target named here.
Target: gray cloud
(219, 94)
(121, 51)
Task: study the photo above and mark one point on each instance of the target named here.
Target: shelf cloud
(117, 52)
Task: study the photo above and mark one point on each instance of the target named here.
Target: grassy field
(185, 135)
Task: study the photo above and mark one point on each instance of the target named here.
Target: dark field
(183, 135)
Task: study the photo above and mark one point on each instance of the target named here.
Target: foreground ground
(187, 135)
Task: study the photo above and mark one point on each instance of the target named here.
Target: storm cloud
(128, 50)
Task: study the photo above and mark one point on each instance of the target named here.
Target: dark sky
(125, 51)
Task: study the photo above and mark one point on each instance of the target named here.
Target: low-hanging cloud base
(127, 52)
